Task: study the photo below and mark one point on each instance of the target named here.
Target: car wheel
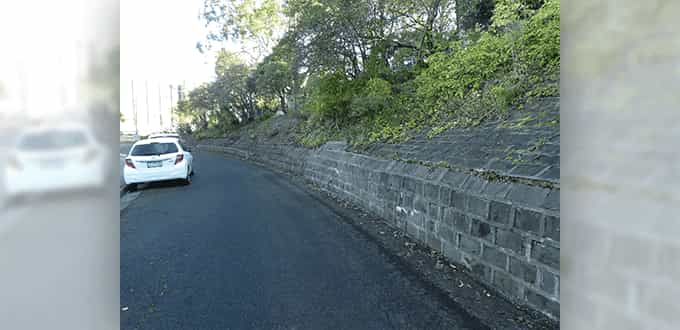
(187, 180)
(132, 187)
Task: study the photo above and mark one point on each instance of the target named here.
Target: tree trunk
(282, 100)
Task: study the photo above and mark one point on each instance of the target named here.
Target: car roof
(163, 134)
(33, 130)
(157, 140)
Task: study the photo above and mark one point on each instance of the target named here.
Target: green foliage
(539, 45)
(313, 134)
(276, 75)
(257, 22)
(331, 97)
(265, 116)
(510, 12)
(375, 97)
(474, 13)
(384, 71)
(375, 63)
(464, 71)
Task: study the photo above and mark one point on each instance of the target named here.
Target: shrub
(539, 45)
(375, 97)
(266, 115)
(462, 72)
(479, 77)
(330, 98)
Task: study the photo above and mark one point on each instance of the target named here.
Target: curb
(124, 190)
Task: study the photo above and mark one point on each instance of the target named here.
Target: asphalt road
(59, 265)
(242, 248)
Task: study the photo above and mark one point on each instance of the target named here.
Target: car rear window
(57, 139)
(154, 149)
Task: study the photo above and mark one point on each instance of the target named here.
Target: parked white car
(158, 159)
(55, 158)
(164, 135)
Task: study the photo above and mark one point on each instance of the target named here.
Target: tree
(234, 86)
(199, 104)
(256, 25)
(374, 63)
(473, 13)
(276, 74)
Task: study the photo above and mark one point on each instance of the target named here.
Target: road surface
(59, 261)
(242, 248)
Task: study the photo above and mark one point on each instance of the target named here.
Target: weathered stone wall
(506, 232)
(526, 146)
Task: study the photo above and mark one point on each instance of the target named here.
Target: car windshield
(57, 139)
(154, 149)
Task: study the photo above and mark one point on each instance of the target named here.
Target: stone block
(457, 200)
(431, 192)
(469, 244)
(546, 254)
(505, 283)
(549, 282)
(528, 220)
(523, 270)
(543, 303)
(552, 201)
(552, 228)
(500, 213)
(482, 230)
(477, 206)
(461, 222)
(532, 196)
(494, 257)
(510, 240)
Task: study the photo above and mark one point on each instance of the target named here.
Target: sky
(158, 39)
(42, 67)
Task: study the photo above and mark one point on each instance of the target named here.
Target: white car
(158, 159)
(55, 158)
(164, 135)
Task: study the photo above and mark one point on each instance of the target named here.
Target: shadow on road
(61, 196)
(159, 185)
